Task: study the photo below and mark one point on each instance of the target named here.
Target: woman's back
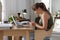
(38, 20)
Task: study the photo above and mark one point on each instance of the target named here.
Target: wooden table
(16, 32)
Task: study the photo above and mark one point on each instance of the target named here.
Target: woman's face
(38, 11)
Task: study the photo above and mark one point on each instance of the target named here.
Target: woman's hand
(33, 23)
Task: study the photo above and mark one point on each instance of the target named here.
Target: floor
(55, 36)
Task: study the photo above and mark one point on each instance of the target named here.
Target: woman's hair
(40, 5)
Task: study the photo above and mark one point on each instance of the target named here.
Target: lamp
(24, 12)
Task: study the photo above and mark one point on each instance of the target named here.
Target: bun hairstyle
(40, 5)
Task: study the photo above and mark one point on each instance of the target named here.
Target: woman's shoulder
(46, 15)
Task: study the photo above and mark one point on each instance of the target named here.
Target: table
(16, 32)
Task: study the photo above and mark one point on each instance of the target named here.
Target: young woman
(45, 21)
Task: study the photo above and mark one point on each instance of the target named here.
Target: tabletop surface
(17, 28)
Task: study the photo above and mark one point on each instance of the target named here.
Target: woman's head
(39, 7)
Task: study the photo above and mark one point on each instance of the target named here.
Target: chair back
(41, 34)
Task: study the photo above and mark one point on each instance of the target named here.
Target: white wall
(55, 5)
(8, 8)
(12, 7)
(24, 4)
(21, 4)
(37, 1)
(0, 11)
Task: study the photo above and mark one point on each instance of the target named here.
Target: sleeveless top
(38, 20)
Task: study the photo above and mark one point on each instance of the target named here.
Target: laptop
(24, 22)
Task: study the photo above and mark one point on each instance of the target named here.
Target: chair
(41, 34)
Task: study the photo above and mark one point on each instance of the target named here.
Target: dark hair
(40, 5)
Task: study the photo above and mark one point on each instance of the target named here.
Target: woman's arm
(45, 18)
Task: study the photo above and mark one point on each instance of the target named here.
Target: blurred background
(12, 7)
